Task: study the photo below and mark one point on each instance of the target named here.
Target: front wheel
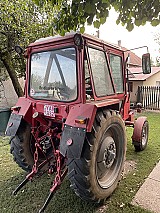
(96, 174)
(140, 146)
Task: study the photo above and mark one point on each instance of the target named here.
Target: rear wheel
(96, 174)
(21, 147)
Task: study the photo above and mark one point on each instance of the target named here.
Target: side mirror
(146, 63)
(19, 49)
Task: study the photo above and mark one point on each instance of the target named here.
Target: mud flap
(72, 141)
(13, 124)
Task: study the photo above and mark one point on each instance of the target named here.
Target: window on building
(130, 86)
(158, 83)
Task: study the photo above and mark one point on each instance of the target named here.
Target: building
(137, 78)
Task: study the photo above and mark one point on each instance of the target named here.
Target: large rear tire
(21, 147)
(96, 174)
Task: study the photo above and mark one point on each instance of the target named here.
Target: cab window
(100, 72)
(54, 75)
(116, 66)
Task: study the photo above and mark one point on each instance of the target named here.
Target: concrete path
(148, 196)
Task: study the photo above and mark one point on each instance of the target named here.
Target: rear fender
(19, 112)
(79, 121)
(137, 132)
(13, 124)
(85, 112)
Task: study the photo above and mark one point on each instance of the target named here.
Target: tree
(21, 22)
(73, 14)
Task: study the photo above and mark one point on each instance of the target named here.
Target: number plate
(49, 111)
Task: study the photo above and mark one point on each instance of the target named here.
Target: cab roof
(68, 36)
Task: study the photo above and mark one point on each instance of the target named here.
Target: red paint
(85, 110)
(10, 124)
(69, 142)
(137, 132)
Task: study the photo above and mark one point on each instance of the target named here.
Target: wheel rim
(110, 156)
(107, 153)
(144, 134)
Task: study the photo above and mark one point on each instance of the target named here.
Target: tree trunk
(12, 74)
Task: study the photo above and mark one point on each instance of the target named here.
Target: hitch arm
(56, 185)
(30, 176)
(50, 196)
(20, 186)
(57, 180)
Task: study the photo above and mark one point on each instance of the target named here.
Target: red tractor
(73, 115)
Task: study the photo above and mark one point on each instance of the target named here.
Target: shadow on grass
(32, 196)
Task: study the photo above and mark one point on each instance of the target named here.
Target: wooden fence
(149, 97)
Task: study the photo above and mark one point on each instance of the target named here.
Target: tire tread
(78, 170)
(17, 147)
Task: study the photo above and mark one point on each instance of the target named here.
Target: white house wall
(152, 80)
(133, 94)
(8, 97)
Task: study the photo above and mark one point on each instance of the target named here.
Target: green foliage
(21, 22)
(71, 15)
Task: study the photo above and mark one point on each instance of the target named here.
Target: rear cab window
(53, 75)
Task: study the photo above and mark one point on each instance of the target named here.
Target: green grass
(33, 195)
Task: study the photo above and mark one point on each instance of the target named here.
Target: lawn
(32, 196)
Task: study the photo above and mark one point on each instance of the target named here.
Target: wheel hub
(109, 154)
(144, 136)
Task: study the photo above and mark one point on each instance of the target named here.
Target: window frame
(91, 71)
(50, 50)
(122, 74)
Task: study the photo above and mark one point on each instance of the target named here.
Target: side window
(88, 86)
(100, 72)
(116, 66)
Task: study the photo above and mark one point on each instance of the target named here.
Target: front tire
(96, 174)
(140, 146)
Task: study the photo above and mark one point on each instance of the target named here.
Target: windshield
(53, 75)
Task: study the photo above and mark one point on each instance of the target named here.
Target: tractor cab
(75, 69)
